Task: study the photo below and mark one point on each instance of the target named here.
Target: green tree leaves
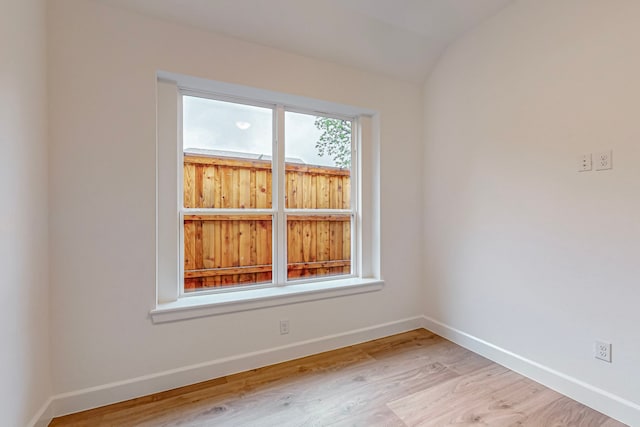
(335, 140)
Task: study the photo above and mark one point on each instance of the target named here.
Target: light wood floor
(411, 379)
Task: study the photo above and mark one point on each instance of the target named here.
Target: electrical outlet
(284, 327)
(603, 351)
(603, 160)
(584, 163)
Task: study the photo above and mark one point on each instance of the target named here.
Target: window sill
(214, 304)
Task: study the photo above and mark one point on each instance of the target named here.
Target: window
(231, 216)
(227, 211)
(261, 193)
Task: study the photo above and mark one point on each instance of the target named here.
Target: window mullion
(280, 260)
(355, 200)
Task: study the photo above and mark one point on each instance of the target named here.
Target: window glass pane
(318, 245)
(227, 154)
(318, 162)
(226, 250)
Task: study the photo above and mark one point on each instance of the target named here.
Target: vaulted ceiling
(399, 38)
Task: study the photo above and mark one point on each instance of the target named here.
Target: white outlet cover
(284, 327)
(602, 351)
(603, 160)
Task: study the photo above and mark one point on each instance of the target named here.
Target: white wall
(103, 63)
(522, 251)
(25, 376)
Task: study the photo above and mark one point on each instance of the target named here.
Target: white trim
(601, 400)
(230, 302)
(224, 97)
(313, 112)
(93, 397)
(45, 414)
(179, 202)
(168, 182)
(269, 97)
(368, 197)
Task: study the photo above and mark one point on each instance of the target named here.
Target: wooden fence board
(263, 198)
(245, 190)
(188, 184)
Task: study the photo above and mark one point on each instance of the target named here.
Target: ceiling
(399, 38)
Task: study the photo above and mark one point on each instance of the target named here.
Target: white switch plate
(603, 160)
(584, 163)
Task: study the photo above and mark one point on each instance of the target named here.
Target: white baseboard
(106, 394)
(610, 404)
(44, 416)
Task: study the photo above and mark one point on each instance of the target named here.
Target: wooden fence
(223, 250)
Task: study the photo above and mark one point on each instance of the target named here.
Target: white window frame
(171, 303)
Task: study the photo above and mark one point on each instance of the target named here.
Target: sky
(219, 125)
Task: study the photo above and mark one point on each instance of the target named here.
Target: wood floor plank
(411, 379)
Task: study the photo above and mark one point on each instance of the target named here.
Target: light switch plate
(584, 163)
